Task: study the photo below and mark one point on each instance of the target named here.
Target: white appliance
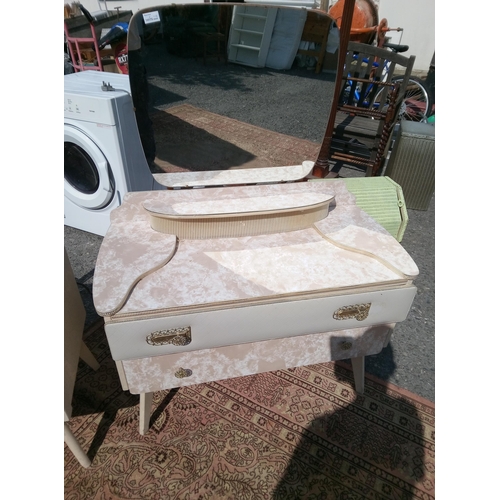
(103, 154)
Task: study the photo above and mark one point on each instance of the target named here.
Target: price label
(151, 17)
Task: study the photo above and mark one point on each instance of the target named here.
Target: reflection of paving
(190, 138)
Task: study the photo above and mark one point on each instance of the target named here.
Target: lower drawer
(196, 367)
(144, 338)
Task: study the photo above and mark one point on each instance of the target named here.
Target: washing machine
(103, 155)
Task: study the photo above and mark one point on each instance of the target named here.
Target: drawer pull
(357, 311)
(345, 346)
(183, 373)
(174, 336)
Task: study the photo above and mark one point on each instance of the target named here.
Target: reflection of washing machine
(103, 155)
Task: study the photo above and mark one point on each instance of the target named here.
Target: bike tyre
(416, 91)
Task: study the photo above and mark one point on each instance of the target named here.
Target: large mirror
(231, 85)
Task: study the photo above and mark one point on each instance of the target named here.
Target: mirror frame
(139, 81)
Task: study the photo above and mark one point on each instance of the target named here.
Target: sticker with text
(151, 17)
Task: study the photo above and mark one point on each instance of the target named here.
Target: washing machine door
(88, 180)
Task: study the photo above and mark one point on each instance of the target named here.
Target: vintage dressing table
(199, 285)
(235, 271)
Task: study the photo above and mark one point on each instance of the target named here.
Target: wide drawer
(144, 338)
(196, 367)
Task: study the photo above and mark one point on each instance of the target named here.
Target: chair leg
(358, 368)
(145, 402)
(74, 446)
(88, 357)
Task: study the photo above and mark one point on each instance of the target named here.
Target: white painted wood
(237, 325)
(145, 401)
(75, 447)
(250, 35)
(74, 348)
(74, 321)
(358, 368)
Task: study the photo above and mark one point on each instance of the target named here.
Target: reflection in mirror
(220, 86)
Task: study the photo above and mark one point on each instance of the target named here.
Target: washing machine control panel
(89, 109)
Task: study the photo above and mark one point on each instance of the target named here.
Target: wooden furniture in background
(316, 31)
(321, 166)
(369, 105)
(367, 108)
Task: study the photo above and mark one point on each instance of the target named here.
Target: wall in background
(417, 18)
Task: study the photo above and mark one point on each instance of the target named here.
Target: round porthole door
(88, 180)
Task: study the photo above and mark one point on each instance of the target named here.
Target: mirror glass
(227, 85)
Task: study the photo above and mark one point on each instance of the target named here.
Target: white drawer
(196, 367)
(254, 323)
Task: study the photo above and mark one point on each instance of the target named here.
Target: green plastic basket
(382, 199)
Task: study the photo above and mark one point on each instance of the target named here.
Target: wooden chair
(368, 107)
(316, 30)
(214, 43)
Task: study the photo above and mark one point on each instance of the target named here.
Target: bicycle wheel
(418, 104)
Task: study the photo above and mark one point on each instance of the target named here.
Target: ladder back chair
(368, 107)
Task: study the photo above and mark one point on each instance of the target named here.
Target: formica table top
(141, 270)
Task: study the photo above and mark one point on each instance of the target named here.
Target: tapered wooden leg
(88, 357)
(74, 446)
(358, 369)
(145, 401)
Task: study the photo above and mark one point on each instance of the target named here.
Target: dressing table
(234, 271)
(199, 285)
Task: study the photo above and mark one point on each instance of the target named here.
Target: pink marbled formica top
(142, 270)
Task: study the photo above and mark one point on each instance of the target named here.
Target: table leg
(358, 368)
(74, 446)
(145, 401)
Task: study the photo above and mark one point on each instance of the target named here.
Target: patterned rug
(295, 434)
(190, 138)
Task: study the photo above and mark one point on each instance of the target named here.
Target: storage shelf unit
(250, 35)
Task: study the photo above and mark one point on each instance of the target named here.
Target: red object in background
(121, 57)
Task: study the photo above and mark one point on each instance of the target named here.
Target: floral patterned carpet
(295, 434)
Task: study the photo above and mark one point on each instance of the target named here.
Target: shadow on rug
(302, 433)
(190, 138)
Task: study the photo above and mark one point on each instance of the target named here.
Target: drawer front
(196, 367)
(159, 336)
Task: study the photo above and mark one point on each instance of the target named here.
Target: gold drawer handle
(345, 346)
(357, 311)
(183, 373)
(174, 336)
